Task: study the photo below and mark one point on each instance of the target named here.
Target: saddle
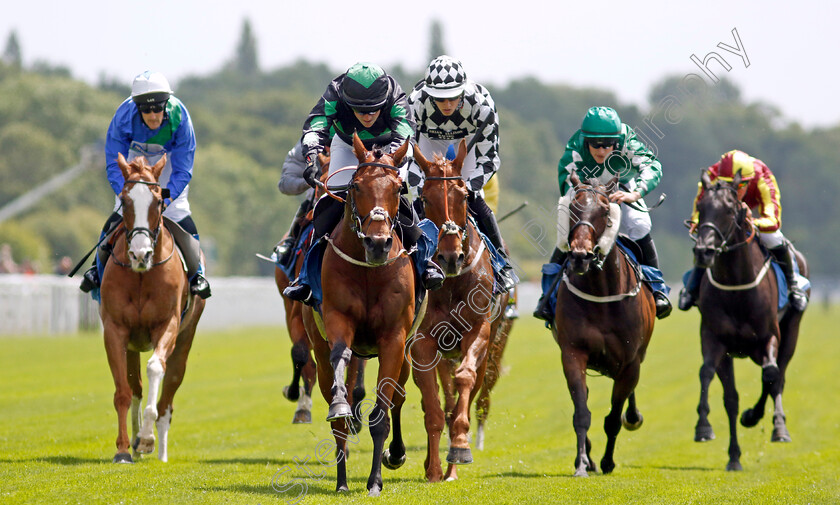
(188, 246)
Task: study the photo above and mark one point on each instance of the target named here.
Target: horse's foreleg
(574, 368)
(136, 383)
(115, 349)
(155, 370)
(176, 367)
(712, 355)
(341, 433)
(339, 359)
(391, 370)
(394, 455)
(726, 373)
(424, 357)
(300, 356)
(623, 386)
(491, 375)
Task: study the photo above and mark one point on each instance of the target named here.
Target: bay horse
(460, 316)
(146, 305)
(738, 305)
(303, 365)
(604, 318)
(367, 310)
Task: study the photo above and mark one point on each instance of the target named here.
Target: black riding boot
(90, 279)
(691, 291)
(488, 226)
(432, 277)
(543, 311)
(785, 257)
(283, 249)
(649, 257)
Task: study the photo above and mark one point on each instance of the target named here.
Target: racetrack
(231, 431)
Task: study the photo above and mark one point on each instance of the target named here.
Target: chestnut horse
(604, 318)
(466, 297)
(146, 305)
(368, 309)
(303, 366)
(738, 305)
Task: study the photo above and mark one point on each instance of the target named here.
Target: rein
(449, 226)
(740, 287)
(161, 262)
(152, 234)
(600, 256)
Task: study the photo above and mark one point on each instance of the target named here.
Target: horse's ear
(323, 160)
(421, 160)
(459, 158)
(705, 179)
(574, 179)
(399, 154)
(359, 148)
(736, 181)
(158, 168)
(124, 168)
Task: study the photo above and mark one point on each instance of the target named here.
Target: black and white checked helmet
(445, 77)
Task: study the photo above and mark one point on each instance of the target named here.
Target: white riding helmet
(150, 87)
(445, 77)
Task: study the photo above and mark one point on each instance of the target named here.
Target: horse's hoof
(357, 424)
(389, 463)
(704, 434)
(734, 466)
(144, 445)
(451, 479)
(459, 456)
(123, 457)
(339, 410)
(302, 417)
(632, 426)
(581, 472)
(607, 466)
(291, 394)
(749, 418)
(342, 488)
(374, 490)
(780, 435)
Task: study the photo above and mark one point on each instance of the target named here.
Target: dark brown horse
(368, 309)
(146, 306)
(738, 305)
(460, 318)
(604, 318)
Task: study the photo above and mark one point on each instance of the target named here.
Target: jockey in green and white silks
(150, 123)
(601, 149)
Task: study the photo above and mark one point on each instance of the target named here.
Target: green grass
(231, 429)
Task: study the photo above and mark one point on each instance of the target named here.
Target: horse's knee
(582, 418)
(379, 423)
(300, 354)
(707, 373)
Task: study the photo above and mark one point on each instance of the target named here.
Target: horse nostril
(461, 258)
(367, 242)
(388, 243)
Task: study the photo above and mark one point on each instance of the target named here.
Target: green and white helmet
(365, 87)
(601, 122)
(150, 87)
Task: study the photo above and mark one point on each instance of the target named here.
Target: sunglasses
(450, 99)
(602, 144)
(152, 108)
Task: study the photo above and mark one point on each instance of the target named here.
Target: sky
(785, 53)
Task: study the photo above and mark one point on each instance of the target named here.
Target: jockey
(369, 102)
(603, 148)
(758, 190)
(292, 183)
(150, 123)
(448, 107)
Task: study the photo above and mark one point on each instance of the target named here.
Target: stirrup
(433, 277)
(283, 249)
(300, 293)
(798, 299)
(687, 299)
(542, 311)
(663, 305)
(199, 286)
(90, 280)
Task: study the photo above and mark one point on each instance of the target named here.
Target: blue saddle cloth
(551, 273)
(289, 269)
(781, 282)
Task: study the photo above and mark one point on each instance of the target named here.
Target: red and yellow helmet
(735, 162)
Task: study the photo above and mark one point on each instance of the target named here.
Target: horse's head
(594, 223)
(374, 198)
(721, 225)
(445, 202)
(142, 206)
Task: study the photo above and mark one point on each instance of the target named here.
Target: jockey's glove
(310, 172)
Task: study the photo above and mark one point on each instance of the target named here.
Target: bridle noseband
(376, 214)
(137, 230)
(725, 246)
(450, 227)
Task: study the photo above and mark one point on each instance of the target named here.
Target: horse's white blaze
(163, 433)
(141, 244)
(154, 371)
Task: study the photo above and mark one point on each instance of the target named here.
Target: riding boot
(90, 279)
(691, 290)
(650, 258)
(543, 310)
(283, 249)
(785, 257)
(198, 284)
(410, 234)
(488, 226)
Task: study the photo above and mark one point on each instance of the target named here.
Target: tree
(11, 55)
(245, 60)
(436, 47)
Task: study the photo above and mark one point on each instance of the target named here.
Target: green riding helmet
(601, 122)
(365, 87)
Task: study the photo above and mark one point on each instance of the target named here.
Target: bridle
(449, 226)
(725, 246)
(137, 230)
(599, 256)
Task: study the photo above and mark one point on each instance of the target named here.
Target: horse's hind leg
(300, 356)
(726, 372)
(789, 330)
(115, 348)
(623, 386)
(356, 384)
(491, 375)
(394, 455)
(575, 370)
(632, 419)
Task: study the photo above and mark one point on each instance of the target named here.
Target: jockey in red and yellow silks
(762, 190)
(759, 191)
